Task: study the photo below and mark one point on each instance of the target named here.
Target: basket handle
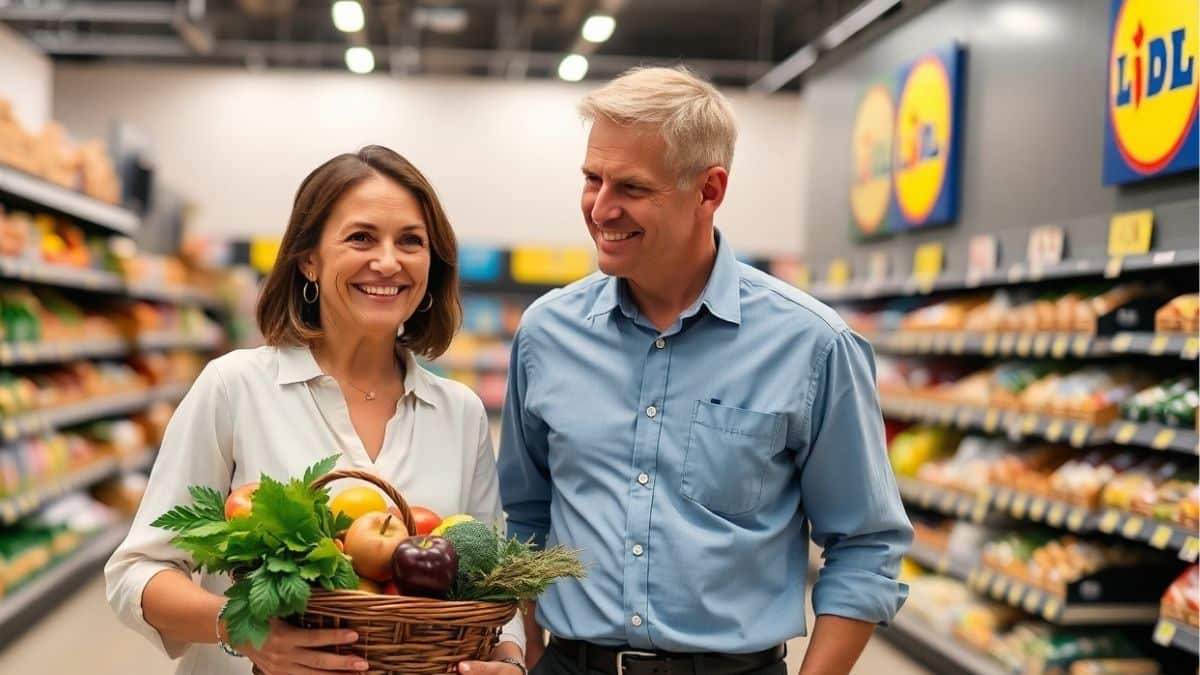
(392, 493)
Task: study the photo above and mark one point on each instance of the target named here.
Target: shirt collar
(722, 293)
(296, 364)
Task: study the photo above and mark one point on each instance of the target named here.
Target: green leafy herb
(522, 573)
(275, 554)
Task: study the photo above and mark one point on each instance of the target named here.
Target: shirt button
(651, 412)
(636, 620)
(660, 343)
(638, 550)
(643, 479)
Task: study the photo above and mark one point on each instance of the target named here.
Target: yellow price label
(1164, 633)
(1014, 594)
(1006, 343)
(546, 265)
(1037, 508)
(1057, 513)
(991, 420)
(959, 344)
(980, 511)
(263, 251)
(1032, 600)
(1050, 609)
(1191, 348)
(1003, 499)
(989, 344)
(999, 586)
(1079, 435)
(1130, 233)
(1041, 345)
(1024, 343)
(1054, 431)
(1029, 424)
(1121, 343)
(1109, 521)
(1082, 345)
(838, 274)
(1163, 439)
(1159, 344)
(1161, 537)
(1132, 529)
(1126, 433)
(1190, 550)
(926, 345)
(927, 261)
(1075, 520)
(1062, 344)
(1018, 505)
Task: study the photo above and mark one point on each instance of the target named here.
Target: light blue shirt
(691, 465)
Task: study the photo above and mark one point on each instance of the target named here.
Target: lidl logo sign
(1153, 56)
(905, 147)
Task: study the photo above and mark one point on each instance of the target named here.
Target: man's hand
(535, 646)
(494, 667)
(835, 646)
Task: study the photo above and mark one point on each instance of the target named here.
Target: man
(685, 419)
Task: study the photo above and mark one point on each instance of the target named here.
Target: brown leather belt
(629, 661)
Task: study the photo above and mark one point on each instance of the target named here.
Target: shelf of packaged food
(23, 269)
(174, 295)
(26, 187)
(42, 421)
(34, 353)
(22, 607)
(1058, 514)
(938, 561)
(945, 653)
(1020, 273)
(1037, 345)
(16, 507)
(1053, 608)
(1054, 429)
(169, 340)
(1172, 633)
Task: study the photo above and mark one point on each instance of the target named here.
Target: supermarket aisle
(72, 639)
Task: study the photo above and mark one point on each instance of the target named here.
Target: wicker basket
(400, 634)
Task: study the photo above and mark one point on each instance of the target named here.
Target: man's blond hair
(694, 119)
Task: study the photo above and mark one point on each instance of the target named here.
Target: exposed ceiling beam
(108, 12)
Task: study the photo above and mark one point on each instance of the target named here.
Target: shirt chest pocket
(729, 453)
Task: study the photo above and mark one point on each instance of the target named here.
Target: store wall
(504, 156)
(26, 79)
(1032, 152)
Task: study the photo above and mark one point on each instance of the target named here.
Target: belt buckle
(630, 652)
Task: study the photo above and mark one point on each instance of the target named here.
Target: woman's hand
(495, 667)
(290, 651)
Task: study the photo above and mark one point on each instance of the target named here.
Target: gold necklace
(369, 395)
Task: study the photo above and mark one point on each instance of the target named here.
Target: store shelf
(16, 507)
(953, 503)
(1054, 609)
(43, 421)
(1037, 345)
(62, 276)
(151, 341)
(1016, 274)
(175, 296)
(34, 353)
(1171, 633)
(1054, 429)
(22, 608)
(1154, 533)
(940, 562)
(943, 653)
(71, 203)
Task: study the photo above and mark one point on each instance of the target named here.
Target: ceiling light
(348, 16)
(598, 28)
(573, 68)
(360, 60)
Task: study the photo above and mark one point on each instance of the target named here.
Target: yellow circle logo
(1152, 80)
(871, 148)
(923, 123)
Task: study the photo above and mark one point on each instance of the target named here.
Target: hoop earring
(429, 306)
(316, 292)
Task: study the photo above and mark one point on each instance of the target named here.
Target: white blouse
(273, 411)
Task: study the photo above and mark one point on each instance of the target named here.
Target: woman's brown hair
(283, 316)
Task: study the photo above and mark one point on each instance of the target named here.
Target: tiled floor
(83, 637)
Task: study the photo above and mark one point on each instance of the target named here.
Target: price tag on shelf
(985, 578)
(1130, 233)
(1062, 344)
(1002, 499)
(1079, 435)
(959, 344)
(989, 344)
(1029, 424)
(1082, 345)
(1041, 344)
(838, 274)
(999, 586)
(1037, 508)
(1163, 439)
(1121, 343)
(1050, 609)
(1019, 503)
(1056, 515)
(1046, 246)
(1126, 433)
(1164, 633)
(547, 265)
(927, 264)
(980, 510)
(1109, 521)
(1161, 537)
(1190, 549)
(1158, 346)
(1191, 348)
(1014, 594)
(1024, 344)
(947, 503)
(1132, 529)
(1076, 519)
(991, 420)
(1032, 600)
(1113, 269)
(1007, 341)
(1054, 431)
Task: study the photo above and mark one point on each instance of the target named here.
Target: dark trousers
(556, 663)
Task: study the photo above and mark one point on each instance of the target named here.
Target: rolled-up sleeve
(523, 463)
(849, 491)
(485, 504)
(196, 450)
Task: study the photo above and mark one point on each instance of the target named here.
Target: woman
(365, 279)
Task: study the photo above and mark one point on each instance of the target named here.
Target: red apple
(425, 519)
(237, 504)
(370, 542)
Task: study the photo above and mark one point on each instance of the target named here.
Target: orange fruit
(358, 501)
